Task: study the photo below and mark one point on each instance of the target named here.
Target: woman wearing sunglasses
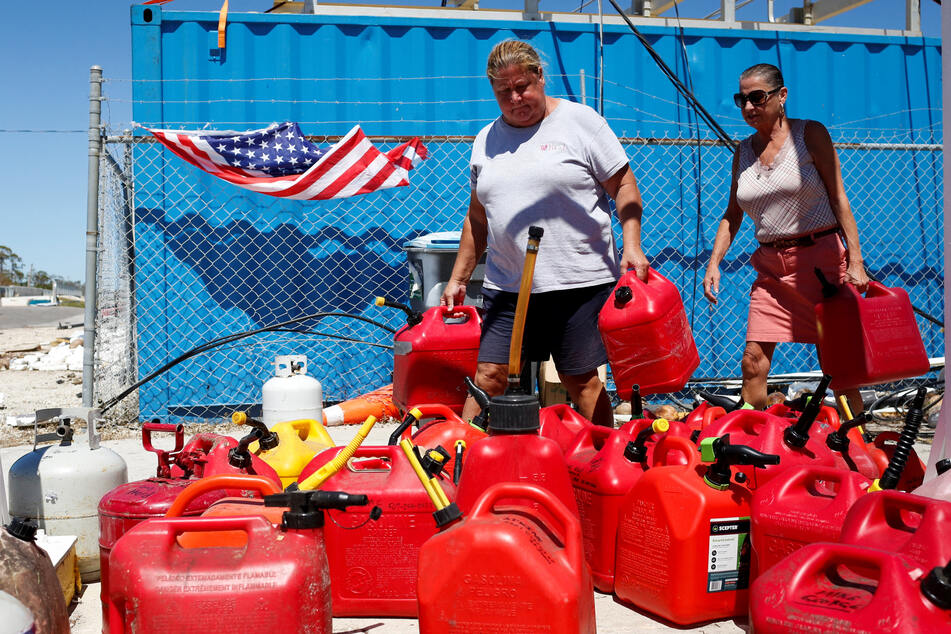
(787, 179)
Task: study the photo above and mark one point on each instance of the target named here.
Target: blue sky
(46, 50)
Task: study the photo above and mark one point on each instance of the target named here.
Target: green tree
(42, 279)
(10, 266)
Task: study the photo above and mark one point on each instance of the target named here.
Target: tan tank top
(787, 198)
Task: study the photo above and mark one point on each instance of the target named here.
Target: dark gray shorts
(563, 324)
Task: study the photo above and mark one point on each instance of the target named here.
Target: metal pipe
(92, 233)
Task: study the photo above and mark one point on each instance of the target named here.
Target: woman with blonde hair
(552, 163)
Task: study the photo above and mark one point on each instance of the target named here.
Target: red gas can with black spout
(647, 337)
(683, 535)
(514, 452)
(373, 563)
(507, 568)
(847, 588)
(868, 340)
(604, 464)
(275, 580)
(205, 455)
(433, 353)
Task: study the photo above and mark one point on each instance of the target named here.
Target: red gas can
(871, 339)
(683, 549)
(802, 505)
(913, 526)
(505, 569)
(648, 434)
(604, 464)
(703, 415)
(883, 448)
(561, 423)
(845, 588)
(440, 426)
(431, 358)
(373, 563)
(645, 331)
(276, 582)
(765, 432)
(129, 504)
(514, 452)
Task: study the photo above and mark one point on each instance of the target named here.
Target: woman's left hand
(634, 258)
(855, 275)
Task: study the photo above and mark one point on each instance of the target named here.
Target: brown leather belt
(800, 241)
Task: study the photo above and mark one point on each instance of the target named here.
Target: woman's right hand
(711, 283)
(453, 295)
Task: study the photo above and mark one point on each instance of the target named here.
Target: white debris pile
(63, 356)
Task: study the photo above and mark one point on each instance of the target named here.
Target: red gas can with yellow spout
(507, 568)
(432, 357)
(870, 339)
(373, 563)
(647, 337)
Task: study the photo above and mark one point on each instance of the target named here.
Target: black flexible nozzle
(726, 455)
(936, 586)
(637, 403)
(636, 450)
(839, 440)
(906, 441)
(408, 420)
(267, 439)
(239, 457)
(481, 397)
(457, 465)
(797, 434)
(720, 400)
(305, 508)
(412, 317)
(828, 288)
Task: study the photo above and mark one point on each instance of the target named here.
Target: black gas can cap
(623, 294)
(22, 529)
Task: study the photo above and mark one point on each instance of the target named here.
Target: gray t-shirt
(548, 175)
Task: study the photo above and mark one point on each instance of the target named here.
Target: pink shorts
(784, 295)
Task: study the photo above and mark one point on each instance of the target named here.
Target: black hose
(906, 442)
(679, 85)
(220, 341)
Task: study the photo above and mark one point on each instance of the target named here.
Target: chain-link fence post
(92, 233)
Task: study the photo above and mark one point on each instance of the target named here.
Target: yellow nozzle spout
(660, 425)
(317, 478)
(461, 443)
(239, 418)
(875, 486)
(415, 413)
(379, 301)
(844, 404)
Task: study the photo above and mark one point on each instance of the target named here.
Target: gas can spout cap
(22, 529)
(306, 508)
(513, 414)
(943, 465)
(725, 456)
(622, 295)
(936, 586)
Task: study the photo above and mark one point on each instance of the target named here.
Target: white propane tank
(15, 618)
(59, 486)
(290, 394)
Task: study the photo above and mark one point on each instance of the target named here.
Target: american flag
(280, 161)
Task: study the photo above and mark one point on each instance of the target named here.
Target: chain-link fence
(187, 258)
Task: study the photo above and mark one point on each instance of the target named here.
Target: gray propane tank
(59, 486)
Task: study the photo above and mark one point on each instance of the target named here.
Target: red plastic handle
(711, 414)
(178, 430)
(570, 526)
(592, 437)
(170, 528)
(877, 289)
(798, 476)
(822, 556)
(469, 312)
(260, 484)
(432, 410)
(675, 444)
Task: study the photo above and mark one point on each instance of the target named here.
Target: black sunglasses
(755, 97)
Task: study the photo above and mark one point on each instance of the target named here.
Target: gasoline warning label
(728, 554)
